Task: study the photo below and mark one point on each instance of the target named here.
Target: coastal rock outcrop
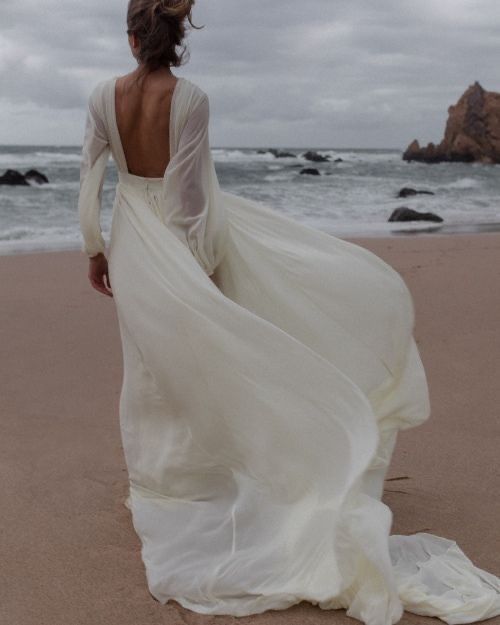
(277, 153)
(310, 171)
(281, 153)
(310, 155)
(408, 191)
(403, 213)
(34, 175)
(13, 178)
(472, 131)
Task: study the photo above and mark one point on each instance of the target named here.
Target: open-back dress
(258, 419)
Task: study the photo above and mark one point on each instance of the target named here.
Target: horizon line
(220, 147)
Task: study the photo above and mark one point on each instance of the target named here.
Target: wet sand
(70, 555)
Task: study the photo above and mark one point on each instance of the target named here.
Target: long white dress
(258, 420)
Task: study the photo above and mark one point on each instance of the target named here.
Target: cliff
(472, 131)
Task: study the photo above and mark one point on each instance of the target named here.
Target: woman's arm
(95, 155)
(192, 189)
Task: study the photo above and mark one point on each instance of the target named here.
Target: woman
(259, 408)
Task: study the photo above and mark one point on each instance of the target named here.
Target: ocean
(352, 197)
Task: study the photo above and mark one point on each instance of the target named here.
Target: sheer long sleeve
(95, 155)
(192, 190)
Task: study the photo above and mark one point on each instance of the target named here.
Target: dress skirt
(258, 420)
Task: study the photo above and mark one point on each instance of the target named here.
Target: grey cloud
(289, 72)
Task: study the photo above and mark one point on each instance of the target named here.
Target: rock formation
(310, 155)
(12, 177)
(310, 171)
(408, 191)
(34, 175)
(403, 213)
(472, 131)
(278, 153)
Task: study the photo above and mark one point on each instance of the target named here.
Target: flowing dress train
(258, 419)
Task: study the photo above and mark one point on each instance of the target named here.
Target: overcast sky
(339, 73)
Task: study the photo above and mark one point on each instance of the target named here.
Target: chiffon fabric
(258, 417)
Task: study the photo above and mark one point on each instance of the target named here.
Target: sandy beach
(70, 555)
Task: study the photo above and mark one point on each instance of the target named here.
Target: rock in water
(407, 191)
(35, 176)
(310, 171)
(403, 213)
(13, 177)
(472, 131)
(315, 157)
(281, 153)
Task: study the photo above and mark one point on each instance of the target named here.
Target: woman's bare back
(143, 119)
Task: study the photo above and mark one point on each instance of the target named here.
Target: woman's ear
(134, 44)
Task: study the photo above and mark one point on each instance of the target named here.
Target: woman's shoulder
(192, 90)
(97, 92)
(102, 84)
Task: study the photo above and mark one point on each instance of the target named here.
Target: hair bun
(179, 9)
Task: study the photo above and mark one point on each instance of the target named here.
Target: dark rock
(472, 131)
(311, 171)
(13, 177)
(413, 152)
(338, 160)
(430, 154)
(403, 213)
(282, 153)
(315, 157)
(36, 176)
(406, 191)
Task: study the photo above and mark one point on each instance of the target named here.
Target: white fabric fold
(436, 578)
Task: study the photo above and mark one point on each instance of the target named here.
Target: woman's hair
(160, 26)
